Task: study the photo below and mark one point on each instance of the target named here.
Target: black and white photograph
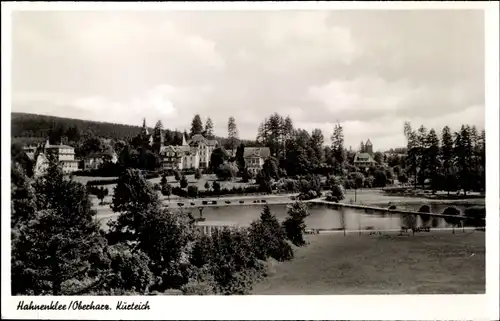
(247, 152)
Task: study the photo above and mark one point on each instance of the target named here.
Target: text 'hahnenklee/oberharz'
(81, 305)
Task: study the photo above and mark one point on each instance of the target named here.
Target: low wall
(339, 206)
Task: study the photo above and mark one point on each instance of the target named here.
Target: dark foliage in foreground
(59, 249)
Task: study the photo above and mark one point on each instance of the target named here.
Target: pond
(322, 216)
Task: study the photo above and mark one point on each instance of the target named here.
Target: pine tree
(422, 150)
(482, 158)
(287, 132)
(362, 147)
(294, 224)
(463, 150)
(447, 153)
(158, 137)
(273, 133)
(61, 243)
(412, 151)
(232, 132)
(338, 147)
(475, 145)
(269, 237)
(196, 126)
(317, 141)
(432, 155)
(209, 129)
(169, 137)
(240, 159)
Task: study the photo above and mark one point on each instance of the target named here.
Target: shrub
(207, 185)
(197, 174)
(102, 182)
(179, 192)
(410, 221)
(246, 175)
(392, 207)
(338, 192)
(308, 195)
(403, 178)
(265, 186)
(183, 182)
(269, 238)
(425, 209)
(216, 187)
(451, 211)
(476, 215)
(150, 175)
(233, 262)
(380, 179)
(202, 251)
(291, 185)
(202, 284)
(192, 191)
(331, 198)
(226, 171)
(130, 270)
(369, 181)
(166, 190)
(294, 224)
(177, 175)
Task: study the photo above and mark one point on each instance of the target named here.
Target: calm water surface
(321, 217)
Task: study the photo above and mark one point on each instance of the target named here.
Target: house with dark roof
(205, 148)
(96, 160)
(364, 158)
(255, 157)
(192, 154)
(64, 154)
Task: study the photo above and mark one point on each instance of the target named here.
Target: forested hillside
(32, 129)
(41, 126)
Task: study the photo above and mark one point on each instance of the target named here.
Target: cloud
(369, 70)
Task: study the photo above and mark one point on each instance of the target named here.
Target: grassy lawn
(435, 263)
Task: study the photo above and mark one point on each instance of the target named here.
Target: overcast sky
(369, 70)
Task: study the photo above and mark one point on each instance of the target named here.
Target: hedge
(98, 182)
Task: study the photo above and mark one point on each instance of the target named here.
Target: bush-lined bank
(147, 249)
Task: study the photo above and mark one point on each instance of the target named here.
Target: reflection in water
(321, 217)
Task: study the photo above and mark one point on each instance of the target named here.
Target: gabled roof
(198, 138)
(180, 150)
(363, 157)
(48, 146)
(263, 152)
(368, 142)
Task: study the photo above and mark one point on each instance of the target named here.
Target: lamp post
(201, 213)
